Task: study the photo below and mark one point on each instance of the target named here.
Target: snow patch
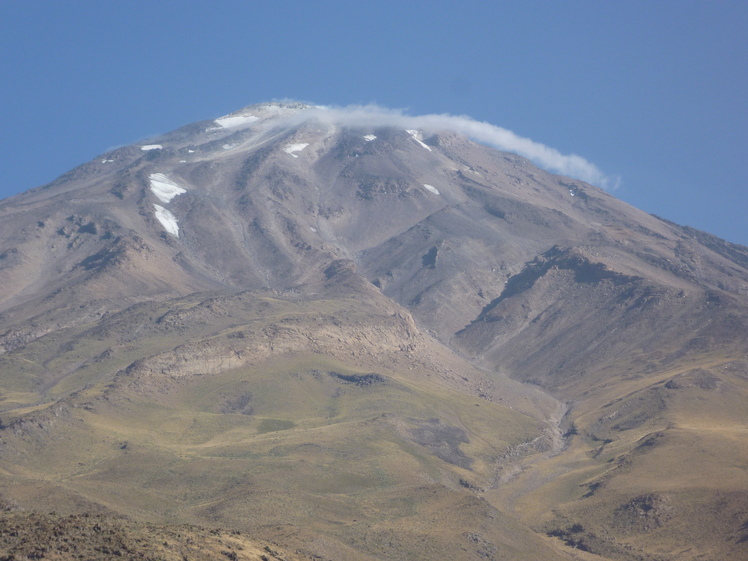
(431, 188)
(164, 188)
(230, 121)
(417, 136)
(151, 147)
(167, 219)
(291, 148)
(369, 137)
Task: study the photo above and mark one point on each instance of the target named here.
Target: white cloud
(485, 133)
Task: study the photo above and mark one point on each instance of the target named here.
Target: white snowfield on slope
(164, 188)
(417, 137)
(231, 121)
(167, 219)
(291, 148)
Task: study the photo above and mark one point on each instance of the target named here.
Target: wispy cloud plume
(485, 133)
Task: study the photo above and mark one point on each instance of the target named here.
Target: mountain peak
(367, 316)
(260, 111)
(372, 116)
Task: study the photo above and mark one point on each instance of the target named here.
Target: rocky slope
(366, 341)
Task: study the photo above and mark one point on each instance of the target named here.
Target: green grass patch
(273, 425)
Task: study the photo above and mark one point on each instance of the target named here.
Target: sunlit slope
(653, 467)
(234, 412)
(370, 341)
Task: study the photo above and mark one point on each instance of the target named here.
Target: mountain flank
(304, 333)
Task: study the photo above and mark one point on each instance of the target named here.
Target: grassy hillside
(341, 437)
(654, 468)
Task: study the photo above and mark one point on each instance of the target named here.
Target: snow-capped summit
(260, 111)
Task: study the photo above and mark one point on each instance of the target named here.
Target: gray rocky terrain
(361, 341)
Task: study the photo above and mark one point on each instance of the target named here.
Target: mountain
(355, 336)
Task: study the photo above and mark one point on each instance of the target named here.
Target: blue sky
(652, 92)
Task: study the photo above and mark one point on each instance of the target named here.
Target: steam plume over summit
(480, 131)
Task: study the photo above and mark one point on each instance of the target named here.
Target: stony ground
(61, 538)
